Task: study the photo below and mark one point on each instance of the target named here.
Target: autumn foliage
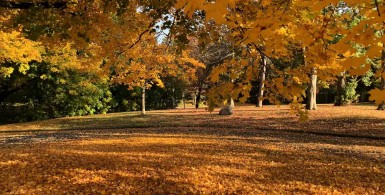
(66, 58)
(116, 40)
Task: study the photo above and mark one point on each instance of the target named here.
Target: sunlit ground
(191, 151)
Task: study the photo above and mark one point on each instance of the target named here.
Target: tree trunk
(382, 87)
(381, 106)
(184, 100)
(261, 81)
(312, 91)
(143, 100)
(341, 84)
(362, 94)
(232, 102)
(198, 99)
(194, 98)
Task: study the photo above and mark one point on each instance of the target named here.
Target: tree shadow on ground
(161, 163)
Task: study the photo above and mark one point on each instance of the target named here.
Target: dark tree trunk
(382, 84)
(312, 91)
(198, 98)
(261, 81)
(382, 87)
(362, 94)
(341, 85)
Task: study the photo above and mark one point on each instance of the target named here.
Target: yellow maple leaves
(108, 36)
(144, 66)
(312, 25)
(15, 48)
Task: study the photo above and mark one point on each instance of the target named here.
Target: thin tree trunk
(194, 98)
(382, 87)
(232, 102)
(312, 91)
(261, 84)
(341, 85)
(184, 100)
(143, 100)
(382, 84)
(362, 94)
(198, 99)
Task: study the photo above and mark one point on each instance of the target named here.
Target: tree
(16, 54)
(311, 103)
(148, 63)
(116, 38)
(143, 68)
(378, 94)
(309, 24)
(55, 87)
(341, 87)
(261, 81)
(211, 56)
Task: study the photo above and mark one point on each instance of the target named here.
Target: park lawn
(256, 150)
(358, 120)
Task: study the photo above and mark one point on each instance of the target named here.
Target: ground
(257, 150)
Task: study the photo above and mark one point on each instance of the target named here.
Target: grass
(256, 150)
(358, 120)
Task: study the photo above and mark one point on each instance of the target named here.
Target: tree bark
(312, 91)
(362, 94)
(341, 84)
(143, 100)
(198, 99)
(261, 81)
(194, 99)
(382, 83)
(232, 102)
(382, 87)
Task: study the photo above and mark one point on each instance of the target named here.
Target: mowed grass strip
(358, 120)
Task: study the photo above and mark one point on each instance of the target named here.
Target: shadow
(360, 131)
(175, 164)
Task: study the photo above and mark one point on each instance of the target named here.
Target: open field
(256, 150)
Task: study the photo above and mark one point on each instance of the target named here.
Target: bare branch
(377, 7)
(139, 38)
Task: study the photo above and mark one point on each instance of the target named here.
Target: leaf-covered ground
(257, 150)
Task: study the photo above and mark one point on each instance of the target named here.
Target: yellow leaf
(377, 95)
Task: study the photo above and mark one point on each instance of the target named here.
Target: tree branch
(221, 59)
(377, 7)
(27, 5)
(139, 38)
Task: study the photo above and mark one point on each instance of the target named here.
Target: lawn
(256, 150)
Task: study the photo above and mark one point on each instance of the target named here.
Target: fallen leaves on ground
(225, 157)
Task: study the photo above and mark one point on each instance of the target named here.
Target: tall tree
(261, 81)
(341, 85)
(311, 103)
